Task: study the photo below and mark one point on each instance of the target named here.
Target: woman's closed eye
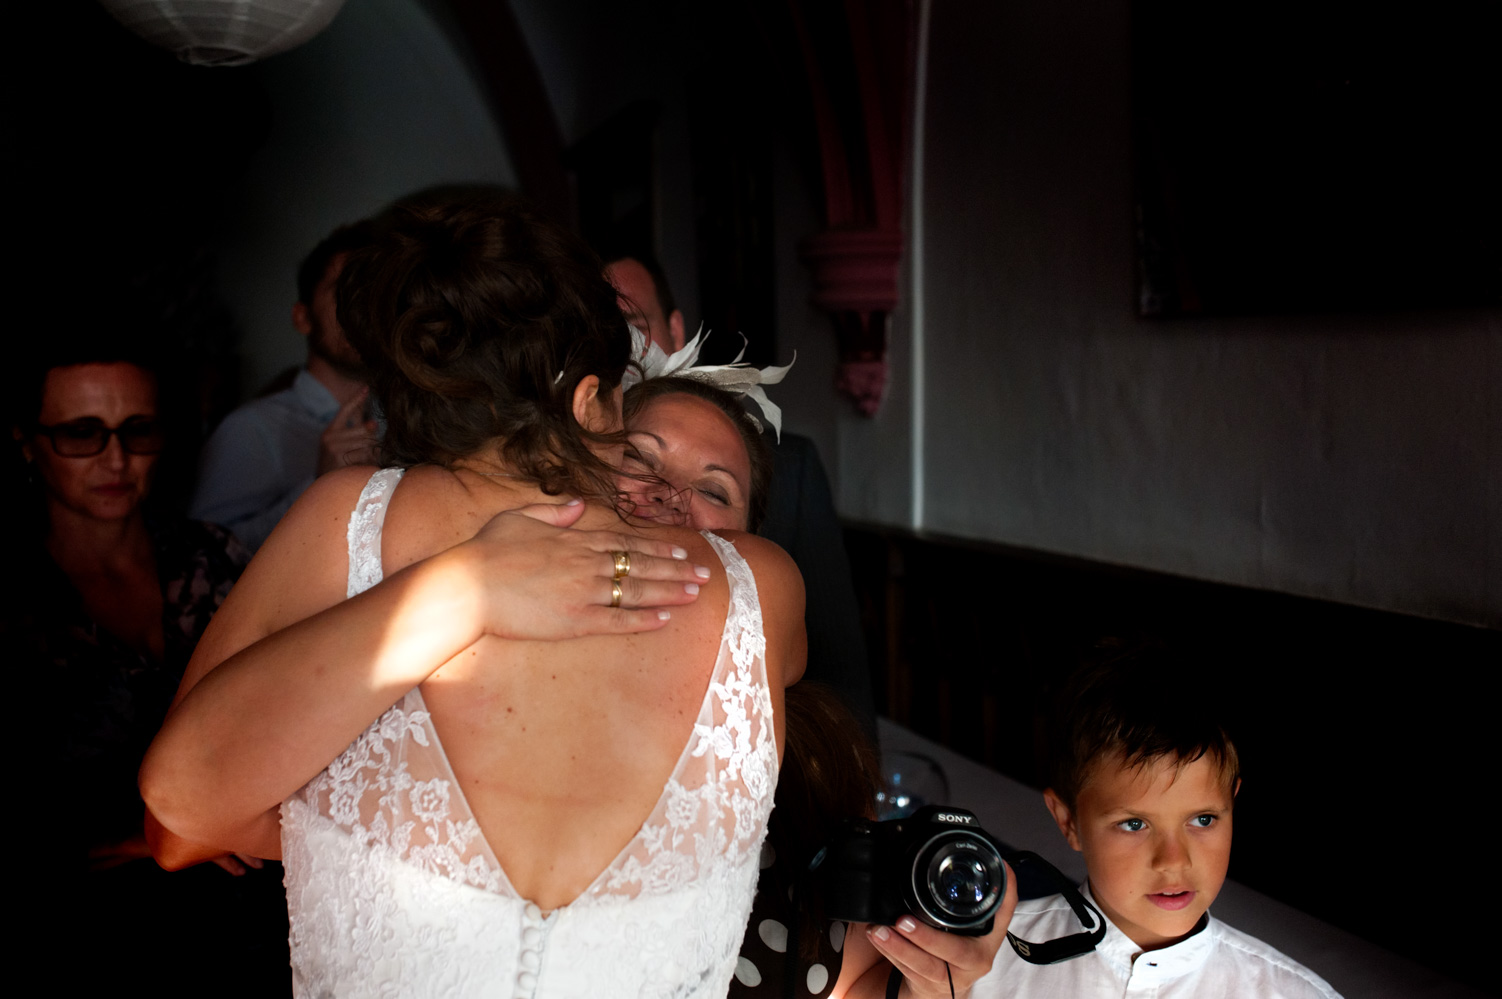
(639, 458)
(713, 493)
(642, 471)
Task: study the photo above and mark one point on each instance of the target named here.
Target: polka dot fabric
(769, 963)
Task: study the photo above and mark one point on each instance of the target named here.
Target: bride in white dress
(530, 817)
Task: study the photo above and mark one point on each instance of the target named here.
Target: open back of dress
(393, 891)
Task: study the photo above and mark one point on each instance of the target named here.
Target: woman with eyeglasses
(105, 604)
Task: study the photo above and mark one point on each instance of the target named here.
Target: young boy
(1143, 782)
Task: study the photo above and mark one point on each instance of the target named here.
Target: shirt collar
(1162, 964)
(314, 396)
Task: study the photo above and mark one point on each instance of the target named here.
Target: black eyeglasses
(86, 438)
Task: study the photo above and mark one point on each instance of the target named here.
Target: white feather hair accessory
(737, 377)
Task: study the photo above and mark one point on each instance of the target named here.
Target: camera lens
(962, 880)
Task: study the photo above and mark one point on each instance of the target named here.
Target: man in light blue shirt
(267, 452)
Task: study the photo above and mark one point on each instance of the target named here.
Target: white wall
(1356, 458)
(377, 106)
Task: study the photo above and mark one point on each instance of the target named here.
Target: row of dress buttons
(531, 955)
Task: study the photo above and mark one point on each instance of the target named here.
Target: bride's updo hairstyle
(477, 320)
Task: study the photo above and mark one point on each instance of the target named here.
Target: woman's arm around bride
(292, 672)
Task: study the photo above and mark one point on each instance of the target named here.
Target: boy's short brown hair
(1137, 704)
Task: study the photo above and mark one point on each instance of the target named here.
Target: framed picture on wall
(1315, 156)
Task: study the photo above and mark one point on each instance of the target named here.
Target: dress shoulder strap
(365, 530)
(743, 626)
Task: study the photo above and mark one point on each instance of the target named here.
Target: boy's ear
(1063, 817)
(302, 319)
(1236, 789)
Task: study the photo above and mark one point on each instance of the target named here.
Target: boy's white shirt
(1216, 963)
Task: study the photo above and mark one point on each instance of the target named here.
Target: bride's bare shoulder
(432, 510)
(767, 560)
(326, 504)
(305, 560)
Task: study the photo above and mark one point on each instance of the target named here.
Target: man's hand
(543, 581)
(350, 439)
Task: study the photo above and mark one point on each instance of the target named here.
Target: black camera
(937, 864)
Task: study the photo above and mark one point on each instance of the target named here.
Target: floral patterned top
(104, 701)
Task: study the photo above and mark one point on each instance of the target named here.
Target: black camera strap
(894, 982)
(1062, 948)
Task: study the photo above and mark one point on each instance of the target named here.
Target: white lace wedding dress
(393, 890)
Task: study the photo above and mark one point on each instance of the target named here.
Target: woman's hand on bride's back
(544, 581)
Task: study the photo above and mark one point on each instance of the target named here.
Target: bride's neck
(487, 476)
(491, 465)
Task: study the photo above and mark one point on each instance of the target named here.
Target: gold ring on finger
(615, 593)
(622, 564)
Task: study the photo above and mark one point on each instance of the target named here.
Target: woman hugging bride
(495, 757)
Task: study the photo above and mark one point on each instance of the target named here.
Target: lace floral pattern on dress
(392, 887)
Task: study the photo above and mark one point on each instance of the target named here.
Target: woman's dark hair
(829, 774)
(642, 395)
(477, 321)
(124, 343)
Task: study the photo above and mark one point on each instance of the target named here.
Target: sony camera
(937, 864)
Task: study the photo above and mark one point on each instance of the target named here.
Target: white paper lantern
(224, 32)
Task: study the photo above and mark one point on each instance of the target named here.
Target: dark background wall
(1353, 456)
